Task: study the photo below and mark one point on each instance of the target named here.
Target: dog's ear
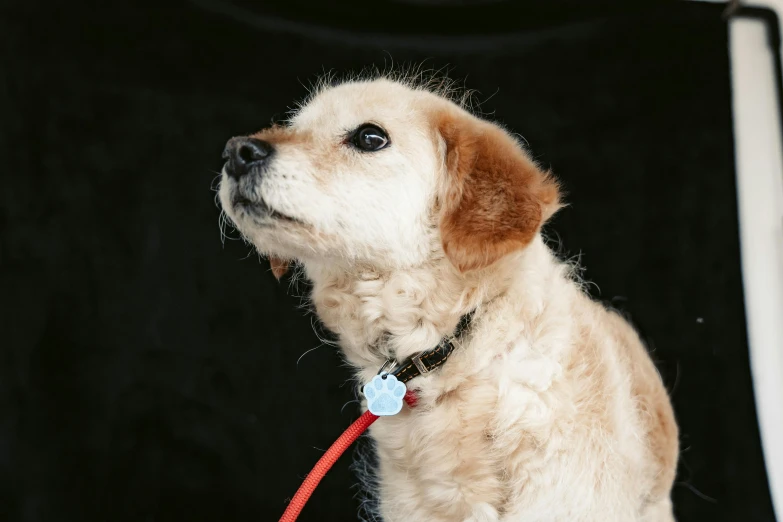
(279, 266)
(495, 198)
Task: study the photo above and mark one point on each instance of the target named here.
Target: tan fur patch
(656, 409)
(496, 198)
(279, 135)
(279, 267)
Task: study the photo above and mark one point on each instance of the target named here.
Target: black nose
(242, 154)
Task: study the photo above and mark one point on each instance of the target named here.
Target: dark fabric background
(149, 373)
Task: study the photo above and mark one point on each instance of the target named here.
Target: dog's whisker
(347, 403)
(698, 493)
(306, 352)
(222, 228)
(252, 251)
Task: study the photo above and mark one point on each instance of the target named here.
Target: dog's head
(383, 174)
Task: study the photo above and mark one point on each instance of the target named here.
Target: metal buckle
(420, 365)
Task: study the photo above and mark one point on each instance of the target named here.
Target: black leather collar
(425, 362)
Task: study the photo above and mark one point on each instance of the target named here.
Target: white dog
(407, 213)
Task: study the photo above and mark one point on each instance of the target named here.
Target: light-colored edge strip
(759, 167)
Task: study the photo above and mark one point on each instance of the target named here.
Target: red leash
(328, 459)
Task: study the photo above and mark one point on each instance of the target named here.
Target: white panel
(760, 194)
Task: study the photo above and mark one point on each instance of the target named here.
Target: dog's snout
(242, 154)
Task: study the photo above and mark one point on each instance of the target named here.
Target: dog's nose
(242, 154)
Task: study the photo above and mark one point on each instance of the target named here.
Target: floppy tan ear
(495, 198)
(279, 266)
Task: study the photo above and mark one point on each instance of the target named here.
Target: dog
(409, 214)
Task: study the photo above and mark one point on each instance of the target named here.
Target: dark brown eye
(369, 138)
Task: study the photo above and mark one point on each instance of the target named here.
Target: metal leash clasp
(388, 366)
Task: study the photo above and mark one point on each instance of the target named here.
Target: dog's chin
(260, 212)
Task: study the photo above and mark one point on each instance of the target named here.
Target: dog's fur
(550, 409)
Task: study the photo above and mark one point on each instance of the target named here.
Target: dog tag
(384, 395)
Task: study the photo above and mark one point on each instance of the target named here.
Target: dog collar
(424, 362)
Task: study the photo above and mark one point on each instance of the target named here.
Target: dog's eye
(369, 138)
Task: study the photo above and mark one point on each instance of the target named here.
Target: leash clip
(388, 366)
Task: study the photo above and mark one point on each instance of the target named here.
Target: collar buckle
(416, 359)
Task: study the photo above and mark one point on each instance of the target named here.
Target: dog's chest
(507, 440)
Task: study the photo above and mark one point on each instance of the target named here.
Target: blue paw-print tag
(384, 395)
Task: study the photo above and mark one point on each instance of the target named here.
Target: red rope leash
(328, 459)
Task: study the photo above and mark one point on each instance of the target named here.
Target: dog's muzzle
(244, 154)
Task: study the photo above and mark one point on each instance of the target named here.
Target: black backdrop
(135, 378)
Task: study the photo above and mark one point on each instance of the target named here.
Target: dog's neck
(383, 314)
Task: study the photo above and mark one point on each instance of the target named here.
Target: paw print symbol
(384, 395)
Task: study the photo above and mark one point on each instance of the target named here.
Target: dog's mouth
(261, 208)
